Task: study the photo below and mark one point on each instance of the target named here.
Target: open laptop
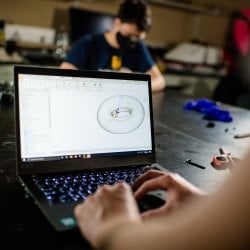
(77, 130)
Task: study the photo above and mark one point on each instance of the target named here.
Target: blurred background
(188, 37)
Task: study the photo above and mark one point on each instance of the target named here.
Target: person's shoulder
(94, 38)
(86, 38)
(141, 45)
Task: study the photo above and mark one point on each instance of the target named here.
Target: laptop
(77, 130)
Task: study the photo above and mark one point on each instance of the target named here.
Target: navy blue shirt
(92, 52)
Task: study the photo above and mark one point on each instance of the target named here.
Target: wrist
(109, 232)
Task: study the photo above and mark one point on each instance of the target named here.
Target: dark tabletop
(179, 135)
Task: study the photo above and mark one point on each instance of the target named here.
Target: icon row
(81, 156)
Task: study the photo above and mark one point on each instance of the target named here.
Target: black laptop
(77, 130)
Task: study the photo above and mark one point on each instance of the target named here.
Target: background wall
(169, 25)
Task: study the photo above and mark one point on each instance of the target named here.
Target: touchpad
(150, 201)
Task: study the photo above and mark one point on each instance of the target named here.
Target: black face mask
(125, 42)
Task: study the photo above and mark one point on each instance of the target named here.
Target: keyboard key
(74, 188)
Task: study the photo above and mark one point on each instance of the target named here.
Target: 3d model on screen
(120, 114)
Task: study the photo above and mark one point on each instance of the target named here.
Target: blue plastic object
(201, 105)
(215, 113)
(210, 110)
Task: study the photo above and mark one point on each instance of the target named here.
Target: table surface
(179, 135)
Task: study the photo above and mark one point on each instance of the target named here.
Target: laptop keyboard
(76, 187)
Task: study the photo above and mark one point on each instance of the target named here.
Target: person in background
(122, 48)
(188, 220)
(234, 88)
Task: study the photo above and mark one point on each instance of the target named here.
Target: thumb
(155, 212)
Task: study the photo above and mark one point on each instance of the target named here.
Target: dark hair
(136, 12)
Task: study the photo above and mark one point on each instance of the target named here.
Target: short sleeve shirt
(92, 52)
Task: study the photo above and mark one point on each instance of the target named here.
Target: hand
(178, 190)
(107, 208)
(125, 70)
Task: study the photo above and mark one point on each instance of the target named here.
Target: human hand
(125, 70)
(103, 211)
(178, 190)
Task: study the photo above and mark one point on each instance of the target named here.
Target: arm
(158, 81)
(221, 222)
(78, 56)
(66, 65)
(115, 205)
(147, 64)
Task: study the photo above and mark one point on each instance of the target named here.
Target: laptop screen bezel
(28, 168)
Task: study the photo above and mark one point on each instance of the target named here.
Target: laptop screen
(89, 116)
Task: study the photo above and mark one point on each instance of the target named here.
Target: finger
(163, 210)
(104, 188)
(161, 182)
(232, 162)
(78, 209)
(122, 184)
(123, 187)
(147, 176)
(116, 190)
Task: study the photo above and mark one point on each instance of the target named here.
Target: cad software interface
(64, 117)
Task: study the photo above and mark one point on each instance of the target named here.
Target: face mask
(125, 42)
